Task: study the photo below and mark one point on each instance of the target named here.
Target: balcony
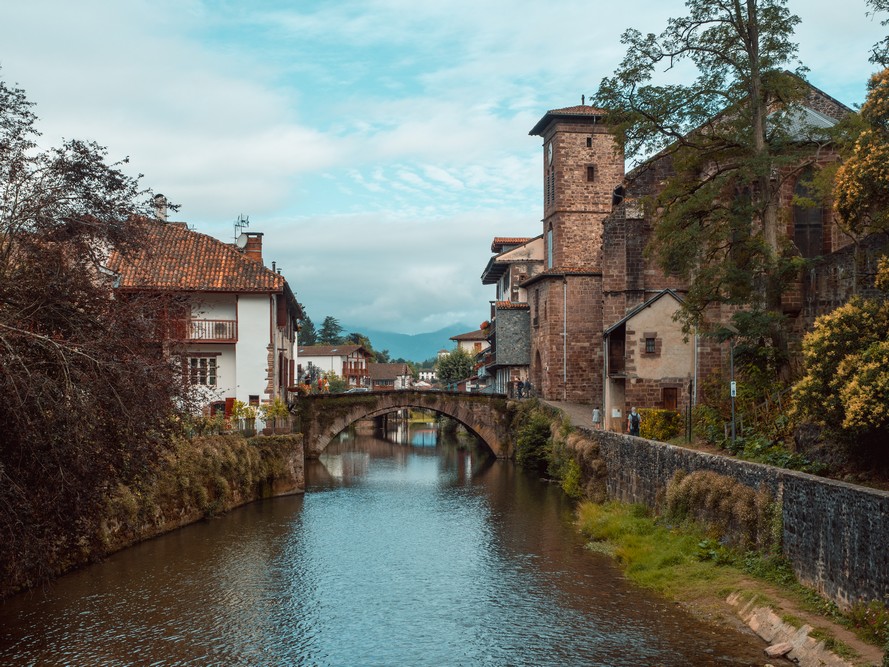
(211, 330)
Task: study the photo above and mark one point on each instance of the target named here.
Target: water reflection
(399, 554)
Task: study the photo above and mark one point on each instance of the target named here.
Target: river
(416, 552)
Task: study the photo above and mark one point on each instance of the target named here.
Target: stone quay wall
(835, 535)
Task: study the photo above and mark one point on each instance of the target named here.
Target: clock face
(549, 153)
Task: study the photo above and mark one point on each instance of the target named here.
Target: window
(589, 142)
(807, 220)
(202, 370)
(650, 346)
(590, 173)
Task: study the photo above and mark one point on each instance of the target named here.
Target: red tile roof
(481, 334)
(177, 258)
(500, 241)
(387, 371)
(578, 111)
(510, 305)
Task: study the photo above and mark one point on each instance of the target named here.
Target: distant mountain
(413, 347)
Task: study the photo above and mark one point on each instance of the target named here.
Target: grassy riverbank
(686, 564)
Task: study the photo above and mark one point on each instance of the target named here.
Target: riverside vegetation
(195, 478)
(710, 537)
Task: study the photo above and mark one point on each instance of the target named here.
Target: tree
(880, 50)
(331, 332)
(89, 398)
(861, 184)
(307, 333)
(845, 388)
(455, 366)
(728, 141)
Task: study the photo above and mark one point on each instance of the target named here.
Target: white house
(231, 320)
(348, 361)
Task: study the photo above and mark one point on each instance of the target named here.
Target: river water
(411, 553)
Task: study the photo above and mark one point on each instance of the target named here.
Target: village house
(508, 360)
(602, 330)
(350, 362)
(231, 320)
(475, 343)
(390, 377)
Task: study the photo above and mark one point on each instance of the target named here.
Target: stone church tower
(581, 167)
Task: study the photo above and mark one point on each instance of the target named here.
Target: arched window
(808, 221)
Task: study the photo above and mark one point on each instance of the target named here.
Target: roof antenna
(582, 100)
(241, 223)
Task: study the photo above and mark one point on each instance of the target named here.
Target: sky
(379, 145)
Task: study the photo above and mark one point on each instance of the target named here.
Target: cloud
(380, 144)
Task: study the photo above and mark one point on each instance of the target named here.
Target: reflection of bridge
(323, 416)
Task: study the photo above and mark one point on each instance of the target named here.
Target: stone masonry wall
(835, 535)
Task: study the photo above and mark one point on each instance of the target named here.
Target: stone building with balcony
(230, 320)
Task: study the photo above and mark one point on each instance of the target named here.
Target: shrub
(735, 511)
(660, 424)
(533, 442)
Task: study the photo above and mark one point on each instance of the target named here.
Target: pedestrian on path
(597, 418)
(634, 421)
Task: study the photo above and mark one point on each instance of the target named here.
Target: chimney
(253, 249)
(160, 207)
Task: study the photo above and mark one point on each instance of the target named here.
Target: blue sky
(380, 145)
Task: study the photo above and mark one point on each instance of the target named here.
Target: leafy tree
(337, 383)
(307, 333)
(861, 191)
(455, 366)
(88, 395)
(846, 383)
(880, 50)
(362, 340)
(331, 332)
(383, 357)
(717, 209)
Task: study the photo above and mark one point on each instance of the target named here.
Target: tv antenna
(241, 224)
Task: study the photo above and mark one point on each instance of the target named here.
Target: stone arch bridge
(323, 416)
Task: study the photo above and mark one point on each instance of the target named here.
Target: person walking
(520, 387)
(597, 418)
(634, 421)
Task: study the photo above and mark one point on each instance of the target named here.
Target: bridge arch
(323, 416)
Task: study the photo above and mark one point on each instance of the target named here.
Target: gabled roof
(626, 318)
(472, 335)
(176, 258)
(499, 242)
(387, 371)
(330, 350)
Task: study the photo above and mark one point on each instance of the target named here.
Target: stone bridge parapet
(323, 416)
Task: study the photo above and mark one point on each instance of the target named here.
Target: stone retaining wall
(835, 535)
